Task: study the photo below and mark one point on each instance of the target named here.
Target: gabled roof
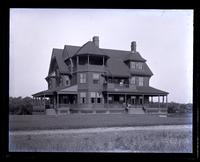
(90, 48)
(57, 56)
(134, 57)
(116, 67)
(145, 71)
(115, 64)
(69, 51)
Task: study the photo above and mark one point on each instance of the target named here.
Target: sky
(163, 37)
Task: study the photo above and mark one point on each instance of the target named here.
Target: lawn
(177, 140)
(47, 122)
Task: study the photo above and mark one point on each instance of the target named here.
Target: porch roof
(59, 90)
(138, 91)
(69, 90)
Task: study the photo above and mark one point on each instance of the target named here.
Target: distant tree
(20, 106)
(173, 107)
(182, 108)
(179, 108)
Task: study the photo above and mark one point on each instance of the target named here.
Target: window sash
(82, 94)
(133, 65)
(96, 76)
(99, 95)
(139, 65)
(92, 94)
(133, 80)
(141, 81)
(82, 78)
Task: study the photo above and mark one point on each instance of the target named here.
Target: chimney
(96, 41)
(133, 46)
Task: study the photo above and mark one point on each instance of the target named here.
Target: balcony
(116, 87)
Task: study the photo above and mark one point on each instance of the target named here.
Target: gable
(57, 61)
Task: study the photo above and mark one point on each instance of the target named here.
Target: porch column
(54, 102)
(125, 98)
(107, 111)
(143, 100)
(166, 101)
(103, 61)
(159, 101)
(88, 59)
(77, 62)
(44, 100)
(163, 101)
(107, 99)
(57, 100)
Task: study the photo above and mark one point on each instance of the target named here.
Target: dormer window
(139, 65)
(132, 65)
(136, 65)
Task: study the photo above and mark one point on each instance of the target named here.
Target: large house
(92, 79)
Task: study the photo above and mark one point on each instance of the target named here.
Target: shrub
(19, 105)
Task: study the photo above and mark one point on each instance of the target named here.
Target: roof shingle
(90, 48)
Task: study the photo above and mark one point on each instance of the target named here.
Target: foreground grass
(159, 140)
(45, 122)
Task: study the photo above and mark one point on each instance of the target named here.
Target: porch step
(136, 111)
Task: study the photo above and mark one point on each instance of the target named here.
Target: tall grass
(165, 140)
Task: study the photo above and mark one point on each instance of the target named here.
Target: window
(141, 80)
(132, 65)
(121, 83)
(67, 82)
(95, 77)
(99, 96)
(50, 84)
(82, 78)
(82, 97)
(92, 97)
(98, 100)
(139, 65)
(133, 80)
(136, 65)
(60, 81)
(110, 99)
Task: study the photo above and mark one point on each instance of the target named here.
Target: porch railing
(115, 85)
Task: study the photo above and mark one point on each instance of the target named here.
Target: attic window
(139, 65)
(132, 65)
(136, 65)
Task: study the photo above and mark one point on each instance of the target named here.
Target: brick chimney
(96, 41)
(133, 46)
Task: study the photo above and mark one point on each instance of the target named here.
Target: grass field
(174, 139)
(143, 140)
(46, 122)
